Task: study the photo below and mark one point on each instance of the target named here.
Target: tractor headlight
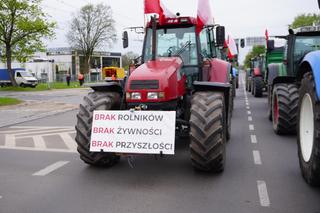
(152, 95)
(136, 96)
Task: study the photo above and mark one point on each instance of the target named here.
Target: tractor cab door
(207, 51)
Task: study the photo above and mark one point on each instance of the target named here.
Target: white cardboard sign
(143, 132)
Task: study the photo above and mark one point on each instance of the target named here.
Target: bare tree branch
(91, 28)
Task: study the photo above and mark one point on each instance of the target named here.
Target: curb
(36, 117)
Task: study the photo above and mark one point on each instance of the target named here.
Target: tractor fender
(220, 71)
(275, 72)
(311, 63)
(113, 86)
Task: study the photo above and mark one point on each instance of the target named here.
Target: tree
(90, 28)
(305, 20)
(127, 59)
(23, 25)
(256, 51)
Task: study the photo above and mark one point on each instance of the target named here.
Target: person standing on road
(68, 78)
(81, 79)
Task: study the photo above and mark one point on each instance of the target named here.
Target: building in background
(55, 63)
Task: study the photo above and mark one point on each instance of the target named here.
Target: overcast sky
(242, 18)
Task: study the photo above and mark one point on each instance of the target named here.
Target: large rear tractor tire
(94, 101)
(258, 86)
(285, 108)
(308, 132)
(208, 131)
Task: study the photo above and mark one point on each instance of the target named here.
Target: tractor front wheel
(208, 131)
(284, 108)
(308, 128)
(94, 101)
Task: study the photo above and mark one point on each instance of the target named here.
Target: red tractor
(179, 71)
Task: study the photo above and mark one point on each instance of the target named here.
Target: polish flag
(267, 37)
(204, 16)
(166, 12)
(266, 34)
(232, 47)
(155, 6)
(152, 6)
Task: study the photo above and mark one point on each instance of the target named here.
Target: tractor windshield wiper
(183, 48)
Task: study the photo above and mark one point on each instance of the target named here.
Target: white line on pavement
(248, 107)
(48, 134)
(249, 118)
(42, 127)
(38, 150)
(10, 141)
(69, 142)
(254, 139)
(1, 197)
(251, 127)
(39, 143)
(19, 130)
(247, 104)
(257, 157)
(249, 112)
(51, 168)
(263, 193)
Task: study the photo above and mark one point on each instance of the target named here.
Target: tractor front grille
(144, 84)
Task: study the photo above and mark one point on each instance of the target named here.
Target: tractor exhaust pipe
(154, 37)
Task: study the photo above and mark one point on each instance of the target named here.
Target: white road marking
(249, 118)
(9, 141)
(257, 157)
(251, 127)
(247, 104)
(51, 168)
(37, 150)
(39, 142)
(42, 127)
(1, 197)
(28, 129)
(69, 142)
(248, 107)
(49, 134)
(254, 139)
(37, 136)
(263, 193)
(249, 112)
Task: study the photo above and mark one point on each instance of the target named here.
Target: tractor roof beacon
(179, 71)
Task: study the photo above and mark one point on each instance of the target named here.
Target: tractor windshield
(173, 42)
(304, 45)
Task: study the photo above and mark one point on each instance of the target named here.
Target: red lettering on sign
(102, 144)
(103, 130)
(105, 117)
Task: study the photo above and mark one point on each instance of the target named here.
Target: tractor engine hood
(161, 76)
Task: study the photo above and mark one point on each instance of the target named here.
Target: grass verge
(43, 87)
(4, 101)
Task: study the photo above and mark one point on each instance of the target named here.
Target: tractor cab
(300, 42)
(175, 54)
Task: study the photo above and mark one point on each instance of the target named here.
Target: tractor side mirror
(242, 42)
(125, 39)
(220, 36)
(270, 45)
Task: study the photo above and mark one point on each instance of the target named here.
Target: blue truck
(22, 77)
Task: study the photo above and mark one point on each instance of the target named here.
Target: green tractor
(283, 88)
(257, 74)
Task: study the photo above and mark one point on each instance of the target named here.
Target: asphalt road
(42, 173)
